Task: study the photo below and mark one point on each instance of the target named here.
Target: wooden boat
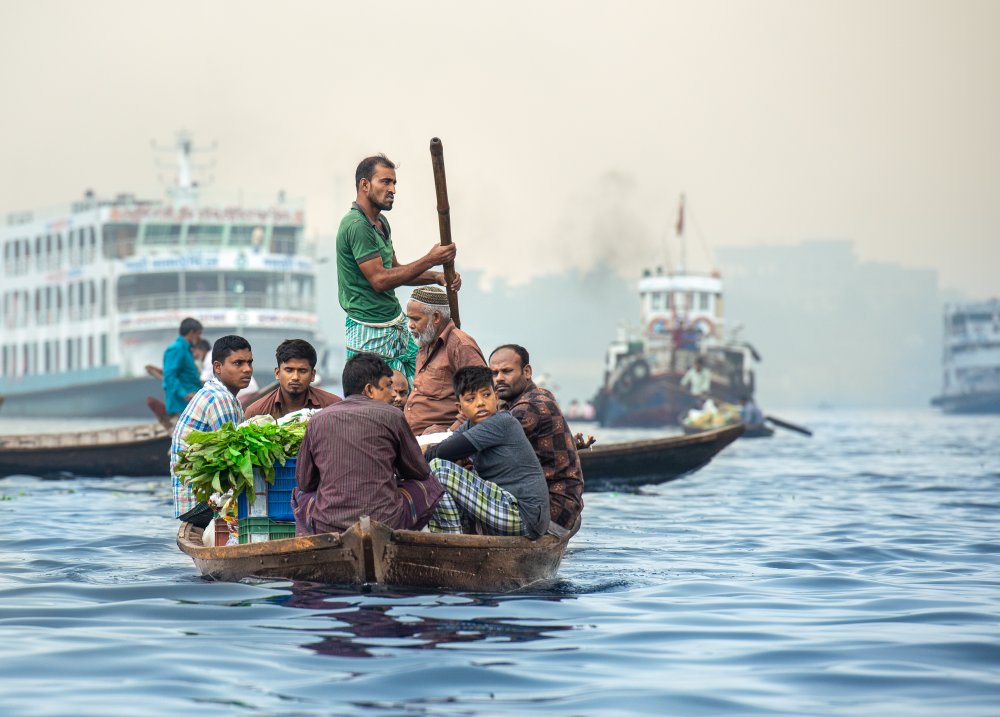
(140, 450)
(754, 430)
(371, 553)
(618, 466)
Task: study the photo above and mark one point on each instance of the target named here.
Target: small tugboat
(971, 358)
(681, 319)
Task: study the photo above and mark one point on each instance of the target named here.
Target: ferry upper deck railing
(214, 300)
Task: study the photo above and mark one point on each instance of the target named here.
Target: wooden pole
(444, 223)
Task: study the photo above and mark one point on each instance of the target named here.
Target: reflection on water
(360, 625)
(855, 573)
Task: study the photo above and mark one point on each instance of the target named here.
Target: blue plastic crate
(273, 501)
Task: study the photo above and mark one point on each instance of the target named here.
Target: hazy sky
(570, 128)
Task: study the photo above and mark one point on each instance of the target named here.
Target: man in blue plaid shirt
(211, 407)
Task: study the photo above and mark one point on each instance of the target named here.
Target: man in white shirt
(698, 379)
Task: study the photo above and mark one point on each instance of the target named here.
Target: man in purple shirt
(358, 457)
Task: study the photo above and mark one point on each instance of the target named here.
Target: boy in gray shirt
(506, 494)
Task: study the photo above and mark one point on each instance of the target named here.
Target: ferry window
(39, 258)
(205, 234)
(119, 240)
(59, 250)
(91, 244)
(49, 259)
(703, 301)
(104, 349)
(48, 357)
(162, 234)
(656, 303)
(104, 297)
(90, 351)
(284, 240)
(39, 316)
(252, 236)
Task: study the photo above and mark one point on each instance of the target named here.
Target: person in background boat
(400, 390)
(202, 353)
(750, 413)
(698, 379)
(368, 271)
(545, 426)
(358, 457)
(295, 372)
(214, 405)
(444, 348)
(506, 494)
(180, 374)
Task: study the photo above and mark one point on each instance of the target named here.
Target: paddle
(789, 426)
(444, 223)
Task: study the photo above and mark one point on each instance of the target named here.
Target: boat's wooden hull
(619, 466)
(372, 553)
(142, 450)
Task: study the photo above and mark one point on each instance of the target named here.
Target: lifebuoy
(707, 323)
(659, 326)
(639, 371)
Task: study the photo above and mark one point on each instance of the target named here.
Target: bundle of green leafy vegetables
(223, 460)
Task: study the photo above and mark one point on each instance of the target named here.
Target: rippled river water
(854, 573)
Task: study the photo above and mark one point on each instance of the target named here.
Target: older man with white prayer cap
(443, 349)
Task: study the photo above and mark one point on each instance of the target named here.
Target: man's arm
(432, 277)
(383, 279)
(410, 461)
(306, 472)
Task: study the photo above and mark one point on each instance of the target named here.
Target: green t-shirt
(358, 241)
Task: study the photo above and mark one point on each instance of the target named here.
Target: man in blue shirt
(214, 405)
(181, 377)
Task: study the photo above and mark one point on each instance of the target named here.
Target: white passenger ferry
(92, 293)
(971, 358)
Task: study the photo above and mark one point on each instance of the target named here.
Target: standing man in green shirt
(368, 272)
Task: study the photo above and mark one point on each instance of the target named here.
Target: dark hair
(366, 168)
(471, 378)
(203, 345)
(295, 349)
(361, 370)
(188, 325)
(227, 345)
(522, 353)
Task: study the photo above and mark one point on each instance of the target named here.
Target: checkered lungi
(474, 499)
(391, 340)
(421, 500)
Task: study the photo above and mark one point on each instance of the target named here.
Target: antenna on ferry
(680, 235)
(186, 186)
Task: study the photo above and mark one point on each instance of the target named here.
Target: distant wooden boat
(371, 553)
(141, 450)
(616, 466)
(754, 430)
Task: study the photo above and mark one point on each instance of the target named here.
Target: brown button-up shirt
(432, 402)
(542, 420)
(350, 456)
(270, 404)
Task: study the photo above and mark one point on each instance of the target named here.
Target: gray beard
(425, 337)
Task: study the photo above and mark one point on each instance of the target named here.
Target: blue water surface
(853, 573)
